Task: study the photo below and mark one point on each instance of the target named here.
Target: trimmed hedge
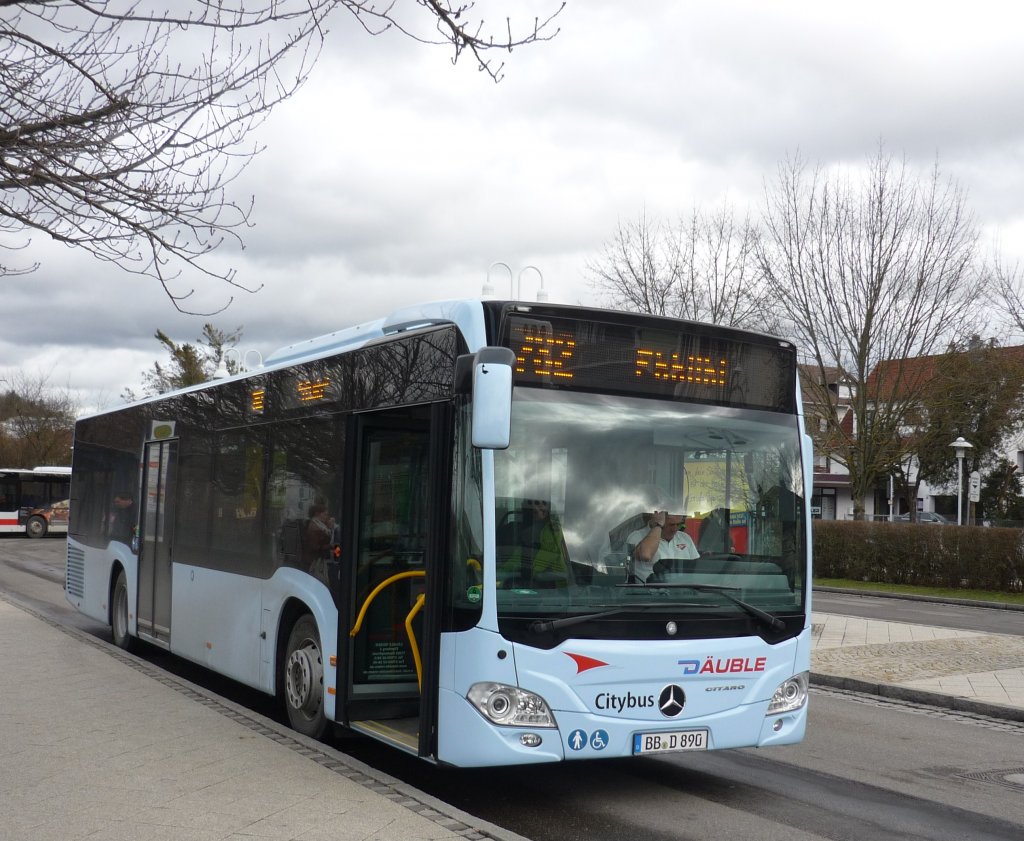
(922, 554)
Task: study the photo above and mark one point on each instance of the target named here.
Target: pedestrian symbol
(578, 739)
(599, 740)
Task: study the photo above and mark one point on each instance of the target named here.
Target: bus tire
(304, 679)
(36, 526)
(119, 613)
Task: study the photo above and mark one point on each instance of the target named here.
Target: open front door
(159, 481)
(392, 662)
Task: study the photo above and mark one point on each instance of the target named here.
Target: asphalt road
(868, 769)
(865, 771)
(34, 571)
(961, 617)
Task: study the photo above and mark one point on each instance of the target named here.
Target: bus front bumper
(467, 739)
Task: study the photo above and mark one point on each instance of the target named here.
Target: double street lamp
(961, 447)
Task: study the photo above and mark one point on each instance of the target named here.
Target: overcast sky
(394, 177)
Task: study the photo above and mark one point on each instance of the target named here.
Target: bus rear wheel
(304, 679)
(36, 526)
(119, 613)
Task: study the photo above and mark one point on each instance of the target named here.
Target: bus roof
(466, 313)
(469, 314)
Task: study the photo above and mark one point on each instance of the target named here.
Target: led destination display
(693, 362)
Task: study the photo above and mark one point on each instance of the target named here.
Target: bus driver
(660, 542)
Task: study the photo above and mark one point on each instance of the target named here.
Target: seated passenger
(123, 519)
(540, 558)
(655, 547)
(318, 537)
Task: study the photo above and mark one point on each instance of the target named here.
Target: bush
(925, 555)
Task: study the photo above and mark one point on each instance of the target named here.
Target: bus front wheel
(304, 679)
(36, 527)
(119, 613)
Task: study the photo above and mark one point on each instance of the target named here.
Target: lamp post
(542, 294)
(960, 446)
(515, 284)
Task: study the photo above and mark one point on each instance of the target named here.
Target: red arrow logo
(583, 663)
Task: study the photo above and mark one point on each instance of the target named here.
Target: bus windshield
(616, 510)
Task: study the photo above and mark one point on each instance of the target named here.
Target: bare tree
(639, 267)
(36, 420)
(1008, 292)
(869, 269)
(122, 124)
(703, 268)
(720, 278)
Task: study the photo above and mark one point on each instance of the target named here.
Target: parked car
(924, 517)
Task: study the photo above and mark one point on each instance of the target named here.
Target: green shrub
(922, 554)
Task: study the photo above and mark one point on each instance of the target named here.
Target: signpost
(973, 493)
(974, 487)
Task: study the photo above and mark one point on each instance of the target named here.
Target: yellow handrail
(398, 576)
(412, 638)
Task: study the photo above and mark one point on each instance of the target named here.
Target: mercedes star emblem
(671, 701)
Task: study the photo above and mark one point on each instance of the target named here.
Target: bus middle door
(159, 482)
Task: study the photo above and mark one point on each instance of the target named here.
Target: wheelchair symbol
(599, 740)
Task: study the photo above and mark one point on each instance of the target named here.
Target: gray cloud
(394, 177)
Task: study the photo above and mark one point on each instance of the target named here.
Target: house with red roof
(894, 387)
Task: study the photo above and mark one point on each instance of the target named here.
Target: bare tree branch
(123, 124)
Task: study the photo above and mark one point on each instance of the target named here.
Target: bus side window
(465, 578)
(305, 465)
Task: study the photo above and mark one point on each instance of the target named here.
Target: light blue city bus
(436, 530)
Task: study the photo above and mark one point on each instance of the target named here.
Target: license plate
(668, 742)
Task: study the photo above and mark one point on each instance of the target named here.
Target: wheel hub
(304, 678)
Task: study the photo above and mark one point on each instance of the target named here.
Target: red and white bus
(35, 502)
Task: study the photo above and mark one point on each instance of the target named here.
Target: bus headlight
(791, 695)
(510, 706)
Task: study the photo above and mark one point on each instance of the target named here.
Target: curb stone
(910, 597)
(917, 696)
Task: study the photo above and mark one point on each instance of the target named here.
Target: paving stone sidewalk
(98, 745)
(987, 668)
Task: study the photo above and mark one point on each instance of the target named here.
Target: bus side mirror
(492, 398)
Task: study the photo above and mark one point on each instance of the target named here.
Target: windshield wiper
(768, 619)
(539, 626)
